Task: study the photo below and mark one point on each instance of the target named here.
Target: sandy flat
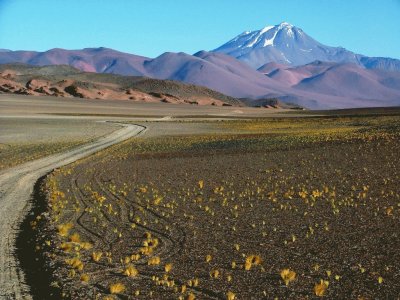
(14, 105)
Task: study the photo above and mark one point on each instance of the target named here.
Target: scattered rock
(73, 91)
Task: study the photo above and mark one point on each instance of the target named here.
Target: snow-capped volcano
(284, 44)
(250, 40)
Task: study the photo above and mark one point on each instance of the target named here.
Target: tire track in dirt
(171, 244)
(16, 186)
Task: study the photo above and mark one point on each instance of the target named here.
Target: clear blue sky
(151, 27)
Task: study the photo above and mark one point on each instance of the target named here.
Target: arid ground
(213, 203)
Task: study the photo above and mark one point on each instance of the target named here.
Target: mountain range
(278, 61)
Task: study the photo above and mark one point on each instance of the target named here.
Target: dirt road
(16, 186)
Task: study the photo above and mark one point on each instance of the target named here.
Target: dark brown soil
(327, 211)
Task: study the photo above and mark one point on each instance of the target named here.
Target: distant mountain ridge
(99, 60)
(261, 70)
(290, 45)
(213, 70)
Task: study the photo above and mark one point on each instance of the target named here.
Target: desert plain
(104, 199)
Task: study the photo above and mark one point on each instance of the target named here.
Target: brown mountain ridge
(68, 82)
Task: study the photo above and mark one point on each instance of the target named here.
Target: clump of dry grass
(288, 276)
(117, 288)
(131, 271)
(252, 260)
(153, 261)
(321, 287)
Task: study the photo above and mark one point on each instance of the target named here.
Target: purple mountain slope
(100, 60)
(291, 76)
(290, 45)
(348, 80)
(272, 66)
(360, 86)
(216, 71)
(380, 63)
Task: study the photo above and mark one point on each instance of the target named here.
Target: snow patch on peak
(266, 29)
(288, 27)
(285, 24)
(270, 42)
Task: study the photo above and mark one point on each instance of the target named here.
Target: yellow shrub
(230, 296)
(252, 260)
(135, 257)
(157, 200)
(117, 288)
(321, 288)
(191, 296)
(75, 238)
(131, 271)
(201, 184)
(86, 245)
(146, 251)
(154, 261)
(75, 263)
(288, 276)
(66, 247)
(214, 274)
(168, 267)
(63, 229)
(96, 256)
(85, 278)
